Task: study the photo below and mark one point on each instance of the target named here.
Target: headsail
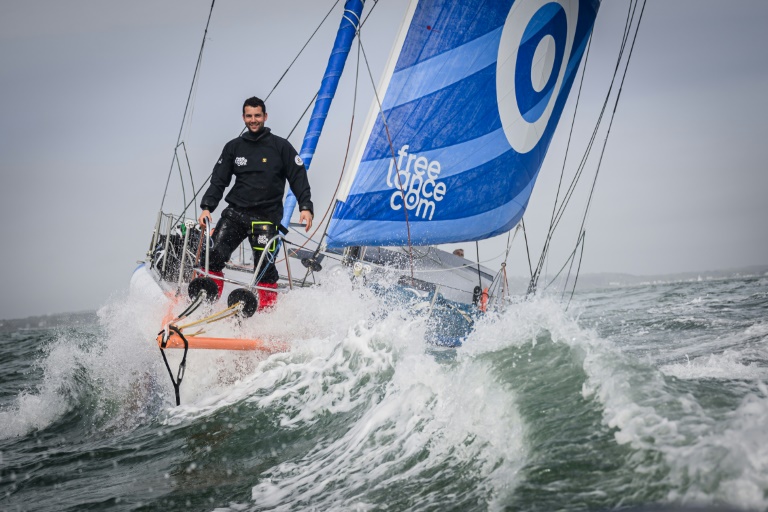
(471, 102)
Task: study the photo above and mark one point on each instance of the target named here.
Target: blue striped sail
(471, 100)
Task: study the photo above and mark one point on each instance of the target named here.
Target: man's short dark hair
(254, 102)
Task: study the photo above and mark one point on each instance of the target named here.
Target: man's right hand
(205, 215)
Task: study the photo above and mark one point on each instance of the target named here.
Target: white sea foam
(310, 321)
(34, 410)
(705, 462)
(521, 323)
(343, 359)
(115, 364)
(726, 365)
(456, 415)
(727, 462)
(416, 415)
(757, 332)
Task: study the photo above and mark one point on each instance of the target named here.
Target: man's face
(254, 118)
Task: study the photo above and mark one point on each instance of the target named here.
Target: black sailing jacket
(261, 164)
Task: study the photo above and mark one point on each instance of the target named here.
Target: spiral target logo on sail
(534, 50)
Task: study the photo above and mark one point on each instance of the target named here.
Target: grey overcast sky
(92, 94)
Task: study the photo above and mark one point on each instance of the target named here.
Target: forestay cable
(605, 143)
(189, 99)
(582, 165)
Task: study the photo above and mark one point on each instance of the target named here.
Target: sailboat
(450, 151)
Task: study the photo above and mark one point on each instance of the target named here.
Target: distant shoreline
(617, 279)
(48, 321)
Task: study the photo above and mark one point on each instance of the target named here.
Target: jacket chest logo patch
(240, 161)
(264, 160)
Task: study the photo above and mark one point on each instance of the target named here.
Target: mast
(350, 22)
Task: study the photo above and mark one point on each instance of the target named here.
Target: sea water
(648, 395)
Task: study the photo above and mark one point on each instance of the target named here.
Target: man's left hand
(305, 216)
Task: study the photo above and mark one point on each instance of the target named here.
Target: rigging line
(193, 102)
(301, 51)
(510, 239)
(300, 118)
(349, 145)
(581, 258)
(498, 285)
(629, 57)
(479, 274)
(570, 132)
(567, 149)
(189, 97)
(505, 289)
(495, 284)
(570, 267)
(582, 164)
(189, 167)
(628, 26)
(392, 149)
(312, 101)
(613, 115)
(503, 269)
(181, 178)
(343, 166)
(192, 201)
(630, 20)
(579, 241)
(570, 256)
(572, 186)
(528, 252)
(584, 158)
(594, 182)
(375, 3)
(509, 242)
(360, 25)
(220, 315)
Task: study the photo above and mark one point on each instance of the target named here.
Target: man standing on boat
(261, 163)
